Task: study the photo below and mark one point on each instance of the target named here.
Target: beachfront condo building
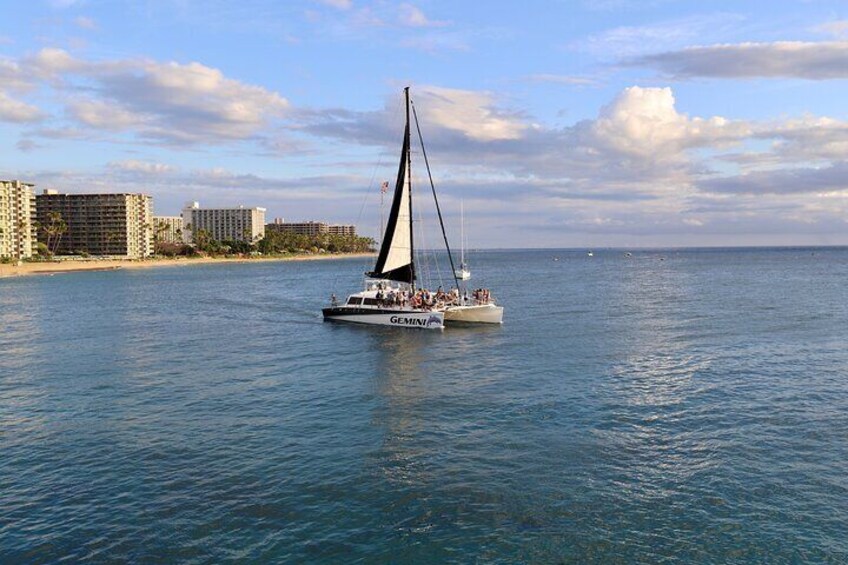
(168, 229)
(310, 228)
(223, 224)
(119, 225)
(18, 236)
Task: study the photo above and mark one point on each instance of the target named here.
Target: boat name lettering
(408, 321)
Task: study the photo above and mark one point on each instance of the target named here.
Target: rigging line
(435, 198)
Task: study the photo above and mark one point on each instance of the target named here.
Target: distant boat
(463, 273)
(590, 254)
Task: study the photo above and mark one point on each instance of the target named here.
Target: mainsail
(395, 261)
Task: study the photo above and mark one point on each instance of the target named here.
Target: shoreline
(95, 265)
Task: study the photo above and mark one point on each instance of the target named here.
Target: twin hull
(481, 314)
(395, 318)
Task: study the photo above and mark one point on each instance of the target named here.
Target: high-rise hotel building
(18, 237)
(100, 224)
(224, 224)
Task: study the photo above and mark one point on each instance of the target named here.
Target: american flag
(384, 187)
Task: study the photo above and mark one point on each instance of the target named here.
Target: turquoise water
(674, 406)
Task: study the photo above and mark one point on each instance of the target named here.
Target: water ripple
(686, 410)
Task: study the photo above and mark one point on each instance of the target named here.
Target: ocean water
(675, 406)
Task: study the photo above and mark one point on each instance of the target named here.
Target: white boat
(370, 307)
(462, 273)
(390, 297)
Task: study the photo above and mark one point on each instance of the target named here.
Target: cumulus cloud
(644, 122)
(638, 144)
(12, 76)
(469, 113)
(12, 110)
(104, 115)
(172, 102)
(784, 59)
(447, 113)
(641, 167)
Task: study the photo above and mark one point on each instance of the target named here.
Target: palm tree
(54, 229)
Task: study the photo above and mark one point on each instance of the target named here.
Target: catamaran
(390, 297)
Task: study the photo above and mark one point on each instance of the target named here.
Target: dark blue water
(674, 406)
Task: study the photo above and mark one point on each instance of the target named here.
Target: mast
(406, 141)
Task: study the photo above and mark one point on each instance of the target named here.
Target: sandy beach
(72, 266)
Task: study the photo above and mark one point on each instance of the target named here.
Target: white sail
(400, 251)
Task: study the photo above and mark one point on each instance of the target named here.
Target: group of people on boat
(423, 299)
(481, 296)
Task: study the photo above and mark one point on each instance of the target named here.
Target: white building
(224, 224)
(18, 236)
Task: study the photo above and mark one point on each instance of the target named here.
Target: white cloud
(447, 114)
(138, 166)
(183, 103)
(644, 122)
(12, 110)
(12, 77)
(469, 113)
(51, 63)
(784, 59)
(104, 115)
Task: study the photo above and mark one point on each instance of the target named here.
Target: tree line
(274, 242)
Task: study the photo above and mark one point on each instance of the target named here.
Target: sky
(605, 123)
